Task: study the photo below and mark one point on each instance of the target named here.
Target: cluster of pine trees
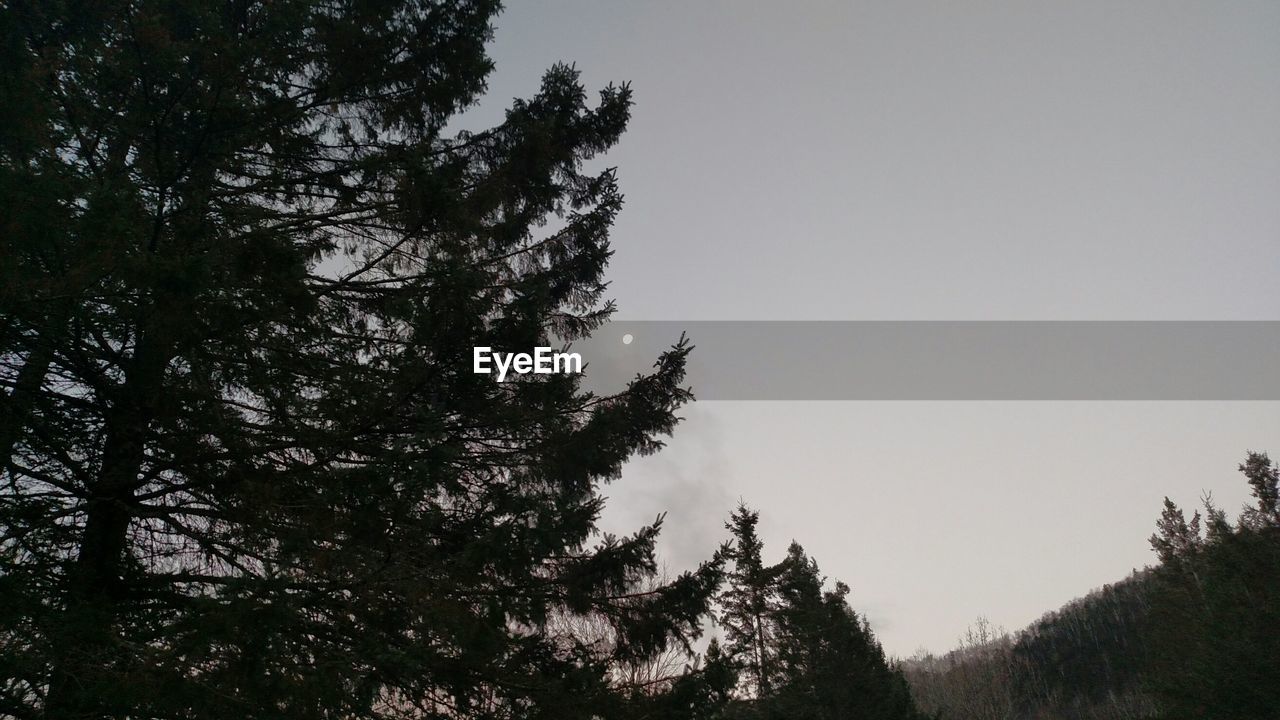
(1214, 625)
(802, 652)
(1196, 636)
(247, 470)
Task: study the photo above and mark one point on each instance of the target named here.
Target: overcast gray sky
(938, 160)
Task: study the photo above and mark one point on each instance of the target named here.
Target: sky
(934, 161)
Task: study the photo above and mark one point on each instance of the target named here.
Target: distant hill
(1196, 636)
(1081, 662)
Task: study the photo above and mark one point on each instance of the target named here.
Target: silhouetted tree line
(1215, 607)
(1196, 636)
(801, 652)
(247, 470)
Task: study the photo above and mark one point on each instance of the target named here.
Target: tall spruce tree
(747, 604)
(247, 470)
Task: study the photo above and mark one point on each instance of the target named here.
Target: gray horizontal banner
(950, 360)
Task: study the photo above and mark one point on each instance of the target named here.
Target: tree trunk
(84, 649)
(17, 404)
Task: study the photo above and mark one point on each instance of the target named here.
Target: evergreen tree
(1175, 537)
(1264, 482)
(1215, 612)
(247, 469)
(805, 653)
(747, 604)
(831, 666)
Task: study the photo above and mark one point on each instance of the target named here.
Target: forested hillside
(1195, 636)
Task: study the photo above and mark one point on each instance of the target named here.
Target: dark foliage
(805, 654)
(247, 470)
(1197, 636)
(1215, 616)
(1081, 658)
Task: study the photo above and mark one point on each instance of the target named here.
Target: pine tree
(1214, 614)
(1264, 483)
(831, 665)
(1175, 537)
(248, 471)
(805, 653)
(747, 603)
